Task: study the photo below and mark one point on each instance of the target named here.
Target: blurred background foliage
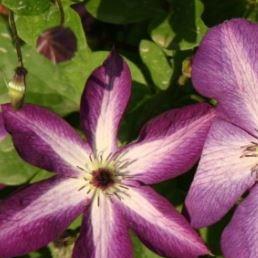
(156, 37)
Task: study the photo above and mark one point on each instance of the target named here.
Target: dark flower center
(102, 178)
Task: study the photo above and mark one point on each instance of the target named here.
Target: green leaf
(56, 86)
(67, 79)
(141, 251)
(156, 61)
(122, 12)
(161, 31)
(181, 28)
(42, 253)
(27, 7)
(13, 170)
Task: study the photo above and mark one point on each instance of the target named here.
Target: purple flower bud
(57, 44)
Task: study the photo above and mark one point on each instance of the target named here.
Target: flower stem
(16, 39)
(17, 86)
(61, 10)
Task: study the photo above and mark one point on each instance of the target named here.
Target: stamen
(250, 150)
(122, 154)
(123, 186)
(91, 157)
(126, 194)
(100, 156)
(109, 157)
(131, 177)
(98, 200)
(89, 191)
(82, 187)
(117, 195)
(81, 168)
(126, 163)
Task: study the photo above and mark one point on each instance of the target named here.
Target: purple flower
(226, 68)
(107, 183)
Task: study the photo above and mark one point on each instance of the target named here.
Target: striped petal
(103, 103)
(33, 217)
(104, 233)
(223, 175)
(159, 225)
(168, 145)
(239, 238)
(45, 140)
(225, 68)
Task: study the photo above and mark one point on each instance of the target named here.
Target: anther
(117, 195)
(90, 157)
(82, 188)
(123, 186)
(89, 191)
(80, 168)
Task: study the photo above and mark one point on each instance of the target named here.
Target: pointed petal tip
(114, 64)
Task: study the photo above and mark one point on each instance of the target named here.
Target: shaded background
(157, 38)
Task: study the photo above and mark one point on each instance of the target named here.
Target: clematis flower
(106, 183)
(225, 68)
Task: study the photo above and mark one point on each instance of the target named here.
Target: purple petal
(239, 238)
(45, 140)
(3, 132)
(223, 174)
(104, 233)
(168, 145)
(159, 225)
(103, 103)
(225, 68)
(33, 217)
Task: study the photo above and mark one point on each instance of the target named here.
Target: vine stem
(16, 38)
(61, 10)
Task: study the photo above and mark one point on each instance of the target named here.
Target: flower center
(102, 178)
(105, 175)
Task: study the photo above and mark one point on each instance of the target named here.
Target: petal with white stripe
(103, 103)
(39, 214)
(159, 225)
(169, 144)
(45, 140)
(104, 233)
